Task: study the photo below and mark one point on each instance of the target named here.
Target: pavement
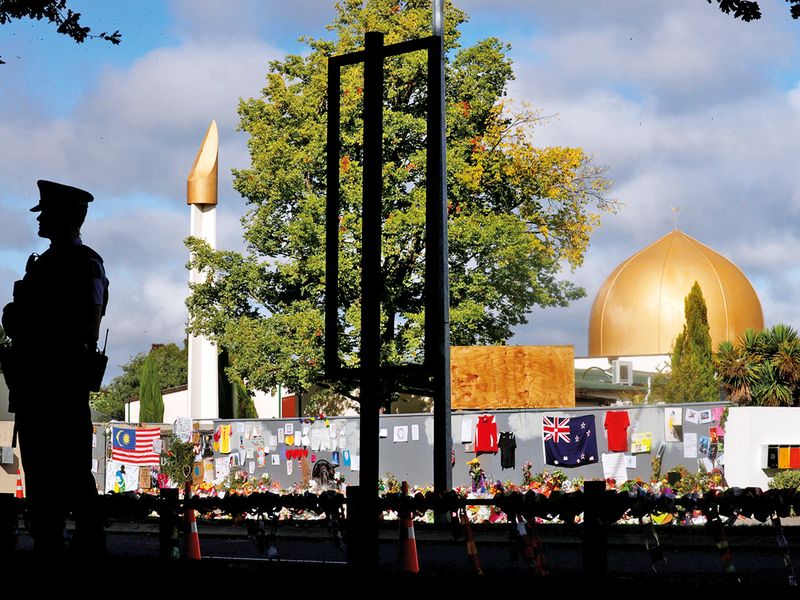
(309, 551)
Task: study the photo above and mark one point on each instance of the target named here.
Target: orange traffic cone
(192, 538)
(472, 549)
(408, 541)
(19, 493)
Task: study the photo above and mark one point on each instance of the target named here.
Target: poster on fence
(121, 478)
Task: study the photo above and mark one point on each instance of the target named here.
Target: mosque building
(639, 311)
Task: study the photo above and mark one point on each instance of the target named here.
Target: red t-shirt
(486, 434)
(617, 428)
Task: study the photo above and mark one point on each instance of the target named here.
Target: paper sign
(355, 462)
(182, 428)
(335, 459)
(703, 445)
(289, 467)
(346, 461)
(208, 470)
(222, 468)
(251, 467)
(121, 478)
(198, 472)
(630, 461)
(94, 440)
(614, 467)
(384, 433)
(672, 424)
(281, 435)
(641, 442)
(273, 441)
(306, 430)
(288, 429)
(467, 430)
(95, 465)
(144, 478)
(305, 441)
(400, 434)
(415, 433)
(692, 416)
(705, 416)
(240, 428)
(689, 445)
(276, 459)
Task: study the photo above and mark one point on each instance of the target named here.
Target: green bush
(785, 480)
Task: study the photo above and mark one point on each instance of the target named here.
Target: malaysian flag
(569, 441)
(135, 446)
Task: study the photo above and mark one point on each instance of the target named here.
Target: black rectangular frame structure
(435, 370)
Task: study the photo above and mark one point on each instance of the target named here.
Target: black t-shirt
(508, 445)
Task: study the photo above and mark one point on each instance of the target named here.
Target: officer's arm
(93, 320)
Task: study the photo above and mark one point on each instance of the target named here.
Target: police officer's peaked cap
(58, 195)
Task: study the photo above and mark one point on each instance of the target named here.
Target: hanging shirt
(508, 445)
(486, 434)
(616, 424)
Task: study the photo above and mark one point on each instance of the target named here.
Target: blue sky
(686, 106)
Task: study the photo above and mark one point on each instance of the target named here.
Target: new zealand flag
(569, 441)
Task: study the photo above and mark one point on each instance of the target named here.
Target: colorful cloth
(225, 439)
(569, 441)
(135, 446)
(486, 434)
(616, 425)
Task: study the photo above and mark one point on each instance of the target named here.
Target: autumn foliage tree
(518, 213)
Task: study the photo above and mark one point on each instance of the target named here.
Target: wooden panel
(486, 377)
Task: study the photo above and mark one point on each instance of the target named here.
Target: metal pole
(371, 288)
(332, 226)
(437, 292)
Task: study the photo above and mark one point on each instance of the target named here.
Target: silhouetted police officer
(54, 323)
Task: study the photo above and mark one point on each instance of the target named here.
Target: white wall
(747, 429)
(268, 406)
(176, 404)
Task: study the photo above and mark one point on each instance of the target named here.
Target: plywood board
(486, 377)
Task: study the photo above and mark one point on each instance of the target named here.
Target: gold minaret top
(640, 307)
(201, 185)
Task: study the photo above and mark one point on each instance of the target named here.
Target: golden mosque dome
(640, 307)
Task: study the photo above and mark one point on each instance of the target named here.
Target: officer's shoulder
(86, 252)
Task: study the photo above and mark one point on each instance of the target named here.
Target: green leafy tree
(171, 363)
(692, 378)
(749, 10)
(518, 213)
(151, 403)
(56, 12)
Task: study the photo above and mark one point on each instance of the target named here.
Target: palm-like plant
(763, 368)
(735, 373)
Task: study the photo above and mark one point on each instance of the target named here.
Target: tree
(56, 12)
(517, 213)
(763, 368)
(171, 363)
(692, 378)
(749, 10)
(151, 403)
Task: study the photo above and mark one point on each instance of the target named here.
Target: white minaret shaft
(201, 195)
